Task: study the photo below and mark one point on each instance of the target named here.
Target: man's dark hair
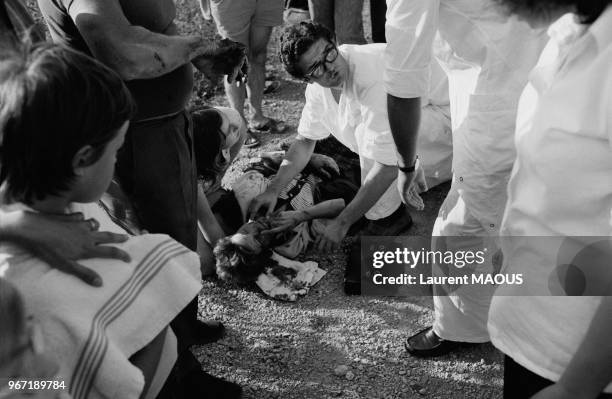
(588, 11)
(53, 102)
(207, 139)
(296, 40)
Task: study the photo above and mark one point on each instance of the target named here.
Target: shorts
(234, 18)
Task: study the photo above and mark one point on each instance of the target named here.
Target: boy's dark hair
(234, 264)
(588, 11)
(54, 101)
(296, 40)
(207, 139)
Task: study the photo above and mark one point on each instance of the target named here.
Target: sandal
(269, 126)
(271, 86)
(251, 141)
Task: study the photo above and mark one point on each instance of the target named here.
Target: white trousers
(462, 314)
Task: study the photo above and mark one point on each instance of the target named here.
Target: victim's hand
(60, 240)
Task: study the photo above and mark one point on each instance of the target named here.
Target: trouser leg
(461, 311)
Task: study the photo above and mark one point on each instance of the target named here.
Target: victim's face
(249, 236)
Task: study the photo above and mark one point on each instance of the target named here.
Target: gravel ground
(327, 345)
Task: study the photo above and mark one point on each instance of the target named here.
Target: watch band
(409, 169)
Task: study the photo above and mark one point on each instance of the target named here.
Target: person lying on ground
(246, 254)
(58, 156)
(288, 230)
(262, 250)
(348, 101)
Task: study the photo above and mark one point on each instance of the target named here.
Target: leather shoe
(208, 331)
(426, 343)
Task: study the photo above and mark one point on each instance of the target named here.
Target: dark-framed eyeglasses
(319, 68)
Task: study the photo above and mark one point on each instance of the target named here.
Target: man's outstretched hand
(61, 240)
(262, 205)
(224, 57)
(410, 186)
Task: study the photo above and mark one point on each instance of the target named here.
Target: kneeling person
(348, 101)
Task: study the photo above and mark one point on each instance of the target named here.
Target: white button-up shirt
(561, 185)
(359, 120)
(487, 57)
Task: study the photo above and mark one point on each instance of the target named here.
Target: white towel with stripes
(92, 331)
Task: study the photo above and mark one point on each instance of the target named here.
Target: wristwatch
(409, 169)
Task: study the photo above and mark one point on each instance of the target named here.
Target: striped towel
(91, 331)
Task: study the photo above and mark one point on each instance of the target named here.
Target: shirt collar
(565, 30)
(601, 29)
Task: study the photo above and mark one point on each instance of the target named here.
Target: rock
(349, 376)
(402, 372)
(341, 370)
(422, 391)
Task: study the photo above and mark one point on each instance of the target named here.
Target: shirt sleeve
(410, 31)
(311, 125)
(373, 135)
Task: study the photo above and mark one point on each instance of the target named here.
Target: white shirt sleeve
(374, 136)
(311, 125)
(410, 31)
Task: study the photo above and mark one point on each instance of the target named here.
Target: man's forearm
(154, 54)
(376, 183)
(133, 51)
(590, 370)
(404, 120)
(323, 210)
(295, 161)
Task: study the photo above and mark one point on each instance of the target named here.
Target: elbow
(127, 69)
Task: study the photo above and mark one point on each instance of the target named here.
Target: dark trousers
(520, 383)
(378, 11)
(156, 169)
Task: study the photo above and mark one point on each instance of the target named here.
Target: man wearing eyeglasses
(347, 99)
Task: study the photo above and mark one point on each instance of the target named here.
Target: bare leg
(349, 21)
(147, 359)
(258, 45)
(322, 12)
(236, 96)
